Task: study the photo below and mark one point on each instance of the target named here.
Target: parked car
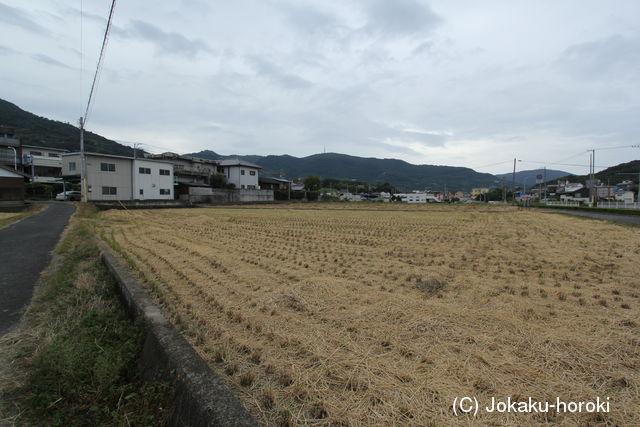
(69, 195)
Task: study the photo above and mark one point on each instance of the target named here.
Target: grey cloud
(72, 11)
(35, 56)
(166, 42)
(307, 19)
(400, 17)
(48, 60)
(8, 51)
(615, 56)
(272, 72)
(14, 16)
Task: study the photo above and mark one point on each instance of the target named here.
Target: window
(109, 191)
(141, 191)
(35, 153)
(241, 171)
(165, 191)
(252, 173)
(165, 172)
(54, 155)
(108, 167)
(146, 171)
(72, 166)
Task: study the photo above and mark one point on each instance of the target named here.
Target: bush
(297, 195)
(281, 194)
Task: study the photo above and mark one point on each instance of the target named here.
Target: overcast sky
(462, 82)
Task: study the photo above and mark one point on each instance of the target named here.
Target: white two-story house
(112, 177)
(242, 174)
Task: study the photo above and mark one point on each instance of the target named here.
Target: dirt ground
(378, 316)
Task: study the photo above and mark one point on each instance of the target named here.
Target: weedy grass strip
(74, 359)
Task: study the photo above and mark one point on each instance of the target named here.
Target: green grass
(588, 209)
(77, 351)
(7, 218)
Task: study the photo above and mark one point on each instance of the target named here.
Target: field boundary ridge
(202, 398)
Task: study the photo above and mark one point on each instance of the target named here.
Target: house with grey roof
(242, 174)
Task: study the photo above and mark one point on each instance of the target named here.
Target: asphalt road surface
(624, 219)
(25, 250)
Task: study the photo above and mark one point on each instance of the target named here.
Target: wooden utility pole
(84, 191)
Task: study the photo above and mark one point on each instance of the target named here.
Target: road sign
(539, 178)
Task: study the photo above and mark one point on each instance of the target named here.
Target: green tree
(217, 180)
(312, 183)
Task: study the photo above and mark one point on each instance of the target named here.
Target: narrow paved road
(25, 250)
(624, 219)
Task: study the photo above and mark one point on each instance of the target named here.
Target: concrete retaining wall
(202, 399)
(221, 196)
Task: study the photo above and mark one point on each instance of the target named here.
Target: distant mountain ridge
(401, 174)
(528, 177)
(612, 175)
(43, 132)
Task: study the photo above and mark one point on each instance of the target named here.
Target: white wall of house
(413, 197)
(42, 163)
(243, 177)
(110, 177)
(150, 183)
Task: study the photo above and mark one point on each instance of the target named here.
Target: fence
(563, 203)
(619, 205)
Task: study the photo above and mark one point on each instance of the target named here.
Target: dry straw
(376, 316)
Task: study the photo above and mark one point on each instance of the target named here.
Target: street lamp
(15, 158)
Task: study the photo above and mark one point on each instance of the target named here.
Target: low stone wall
(215, 196)
(202, 399)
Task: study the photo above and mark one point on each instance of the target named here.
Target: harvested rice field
(377, 316)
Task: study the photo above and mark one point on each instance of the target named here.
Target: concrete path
(624, 219)
(25, 250)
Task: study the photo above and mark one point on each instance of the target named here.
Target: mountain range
(43, 132)
(528, 177)
(403, 175)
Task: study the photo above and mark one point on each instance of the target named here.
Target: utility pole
(513, 181)
(83, 166)
(133, 172)
(545, 182)
(592, 169)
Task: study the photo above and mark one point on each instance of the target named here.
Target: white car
(69, 195)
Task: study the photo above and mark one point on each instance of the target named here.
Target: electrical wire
(81, 53)
(560, 164)
(100, 60)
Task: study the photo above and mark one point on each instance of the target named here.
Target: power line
(83, 120)
(559, 164)
(616, 148)
(100, 60)
(492, 164)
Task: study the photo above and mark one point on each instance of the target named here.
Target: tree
(312, 183)
(386, 187)
(494, 195)
(218, 180)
